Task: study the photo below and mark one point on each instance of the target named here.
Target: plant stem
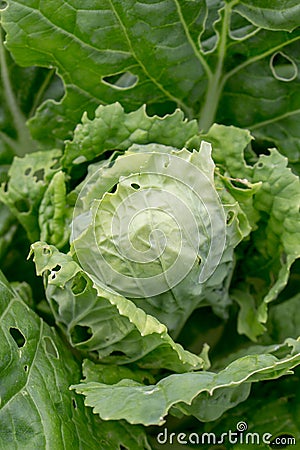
(41, 92)
(215, 84)
(209, 109)
(24, 143)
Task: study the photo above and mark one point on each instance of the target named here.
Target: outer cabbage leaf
(54, 214)
(8, 228)
(229, 145)
(37, 408)
(274, 245)
(28, 180)
(191, 393)
(231, 62)
(248, 321)
(278, 236)
(112, 373)
(97, 319)
(273, 408)
(112, 128)
(284, 320)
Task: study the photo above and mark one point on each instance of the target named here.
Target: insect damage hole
(135, 186)
(283, 67)
(78, 285)
(22, 205)
(46, 251)
(230, 217)
(17, 336)
(81, 333)
(39, 175)
(54, 271)
(55, 165)
(240, 28)
(121, 81)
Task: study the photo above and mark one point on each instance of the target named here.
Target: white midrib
(215, 85)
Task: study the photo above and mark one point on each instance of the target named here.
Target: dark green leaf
(37, 408)
(236, 62)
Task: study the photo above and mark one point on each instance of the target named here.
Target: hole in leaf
(22, 205)
(46, 251)
(80, 334)
(25, 368)
(283, 67)
(238, 183)
(78, 285)
(17, 336)
(74, 403)
(50, 347)
(5, 187)
(260, 165)
(240, 27)
(39, 174)
(3, 5)
(111, 164)
(135, 186)
(161, 109)
(261, 147)
(55, 165)
(54, 271)
(27, 171)
(114, 188)
(125, 80)
(117, 353)
(209, 38)
(230, 217)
